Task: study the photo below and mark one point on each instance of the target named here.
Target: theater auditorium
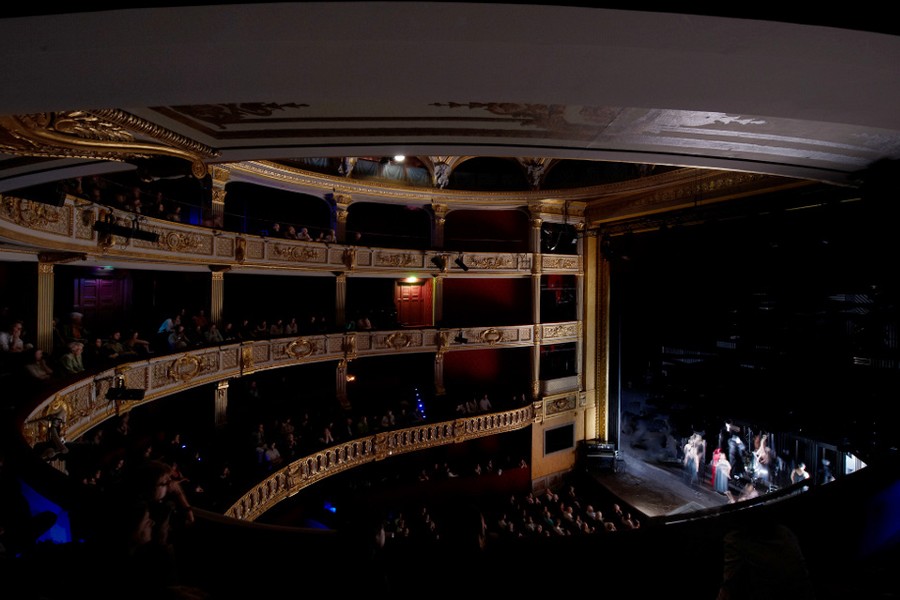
(387, 297)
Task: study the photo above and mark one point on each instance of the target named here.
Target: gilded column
(217, 294)
(439, 389)
(437, 300)
(221, 416)
(579, 342)
(534, 241)
(536, 319)
(341, 212)
(44, 334)
(438, 220)
(601, 314)
(340, 383)
(220, 177)
(536, 270)
(340, 300)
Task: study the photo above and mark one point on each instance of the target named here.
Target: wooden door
(413, 302)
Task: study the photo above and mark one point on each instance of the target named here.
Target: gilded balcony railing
(311, 469)
(84, 404)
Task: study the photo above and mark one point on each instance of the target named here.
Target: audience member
(213, 336)
(12, 340)
(37, 368)
(72, 362)
(114, 349)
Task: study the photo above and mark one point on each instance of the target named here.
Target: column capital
(220, 176)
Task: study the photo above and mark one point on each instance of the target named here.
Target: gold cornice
(106, 134)
(678, 190)
(262, 171)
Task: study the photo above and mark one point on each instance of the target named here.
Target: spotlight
(439, 261)
(460, 338)
(459, 263)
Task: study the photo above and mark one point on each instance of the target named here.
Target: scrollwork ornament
(185, 368)
(491, 336)
(398, 340)
(301, 348)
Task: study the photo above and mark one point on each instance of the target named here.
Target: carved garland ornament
(398, 340)
(491, 336)
(301, 348)
(397, 260)
(181, 242)
(298, 253)
(187, 367)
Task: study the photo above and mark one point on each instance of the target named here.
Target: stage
(655, 489)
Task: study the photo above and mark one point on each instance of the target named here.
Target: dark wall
(474, 302)
(277, 296)
(487, 230)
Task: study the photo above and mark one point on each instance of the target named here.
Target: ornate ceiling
(182, 89)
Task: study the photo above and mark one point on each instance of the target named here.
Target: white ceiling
(283, 80)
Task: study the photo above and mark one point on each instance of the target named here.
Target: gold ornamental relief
(301, 348)
(349, 258)
(298, 253)
(189, 366)
(444, 340)
(396, 260)
(247, 358)
(560, 405)
(348, 346)
(177, 241)
(491, 262)
(559, 331)
(491, 336)
(569, 263)
(30, 214)
(398, 340)
(107, 134)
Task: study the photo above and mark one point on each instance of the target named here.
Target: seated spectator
(484, 405)
(291, 233)
(275, 231)
(178, 339)
(292, 327)
(74, 330)
(277, 328)
(200, 319)
(229, 333)
(12, 340)
(272, 457)
(134, 343)
(261, 331)
(94, 355)
(59, 340)
(363, 323)
(174, 214)
(303, 235)
(37, 368)
(327, 236)
(213, 336)
(115, 349)
(72, 362)
(159, 207)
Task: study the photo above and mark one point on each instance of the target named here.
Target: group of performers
(731, 459)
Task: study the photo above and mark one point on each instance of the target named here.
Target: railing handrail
(324, 463)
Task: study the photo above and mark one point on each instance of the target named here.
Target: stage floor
(655, 490)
